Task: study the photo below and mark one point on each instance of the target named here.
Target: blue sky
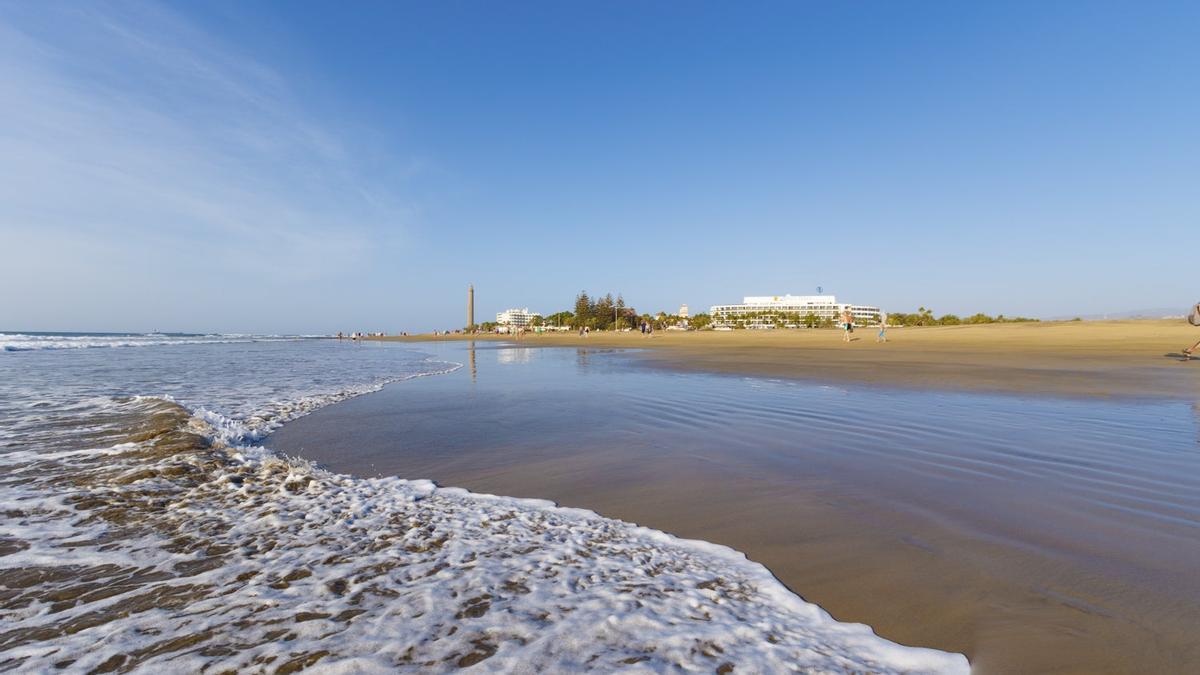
(310, 167)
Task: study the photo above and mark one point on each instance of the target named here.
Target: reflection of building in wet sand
(471, 358)
(511, 355)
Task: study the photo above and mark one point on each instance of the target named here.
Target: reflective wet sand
(139, 534)
(1033, 534)
(1069, 358)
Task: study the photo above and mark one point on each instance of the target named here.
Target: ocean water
(37, 341)
(144, 527)
(1034, 533)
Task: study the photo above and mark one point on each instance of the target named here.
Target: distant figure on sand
(882, 337)
(847, 324)
(1194, 319)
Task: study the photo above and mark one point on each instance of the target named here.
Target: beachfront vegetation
(560, 319)
(773, 319)
(602, 314)
(607, 313)
(924, 317)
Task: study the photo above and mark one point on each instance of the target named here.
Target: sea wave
(177, 544)
(20, 342)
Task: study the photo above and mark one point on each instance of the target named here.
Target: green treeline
(921, 317)
(925, 317)
(780, 320)
(607, 313)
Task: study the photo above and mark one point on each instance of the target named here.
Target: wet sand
(1033, 534)
(1076, 358)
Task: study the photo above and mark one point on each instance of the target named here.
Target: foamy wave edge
(37, 344)
(465, 579)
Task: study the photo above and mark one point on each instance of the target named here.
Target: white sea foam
(19, 342)
(156, 552)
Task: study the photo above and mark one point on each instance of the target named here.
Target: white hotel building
(788, 311)
(516, 318)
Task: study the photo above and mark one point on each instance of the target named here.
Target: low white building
(516, 318)
(788, 311)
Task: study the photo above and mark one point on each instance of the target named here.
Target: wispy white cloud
(129, 126)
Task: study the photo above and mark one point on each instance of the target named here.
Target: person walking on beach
(1194, 319)
(847, 324)
(882, 337)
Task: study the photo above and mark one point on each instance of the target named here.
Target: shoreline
(170, 504)
(839, 521)
(1109, 359)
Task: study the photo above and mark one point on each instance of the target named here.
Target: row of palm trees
(922, 317)
(775, 319)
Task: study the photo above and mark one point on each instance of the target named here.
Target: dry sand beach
(1088, 358)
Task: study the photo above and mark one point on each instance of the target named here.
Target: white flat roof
(789, 300)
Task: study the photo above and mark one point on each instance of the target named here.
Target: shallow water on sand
(1031, 533)
(144, 529)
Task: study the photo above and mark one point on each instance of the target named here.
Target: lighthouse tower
(470, 307)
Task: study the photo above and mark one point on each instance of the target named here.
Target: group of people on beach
(360, 336)
(847, 321)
